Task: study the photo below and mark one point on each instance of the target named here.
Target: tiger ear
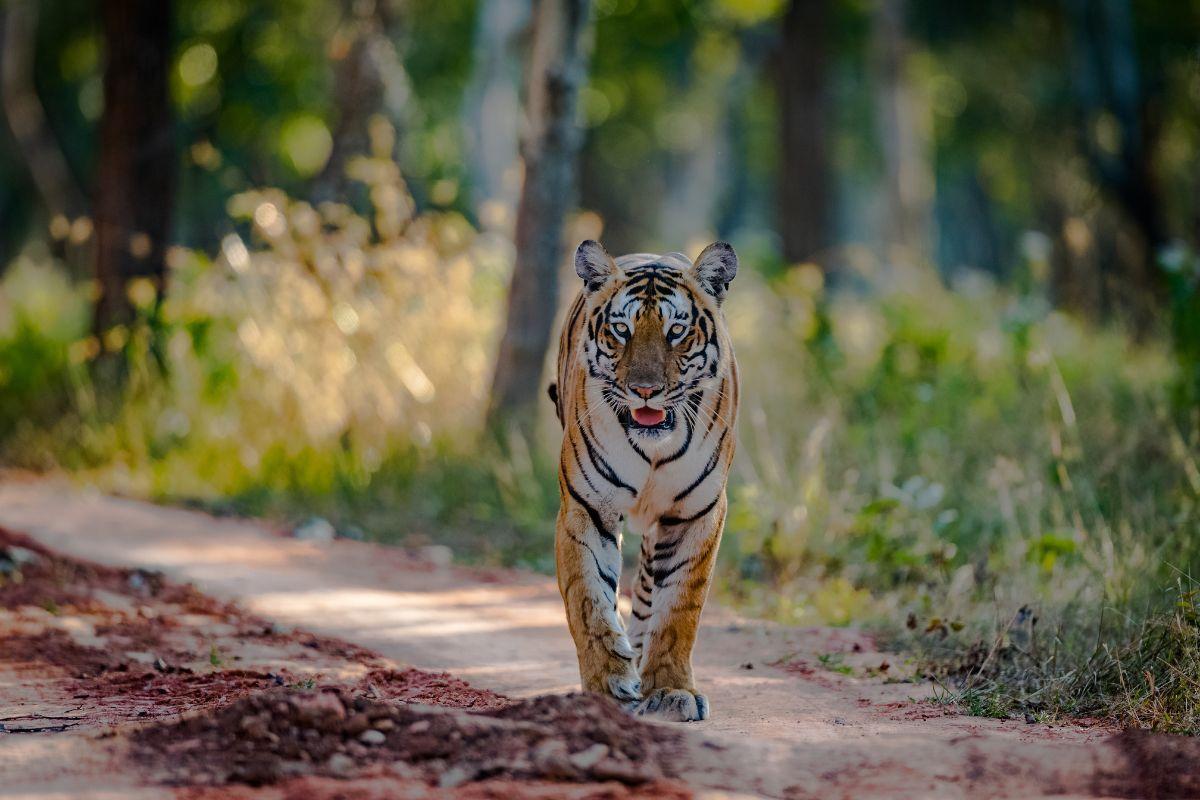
(716, 268)
(594, 264)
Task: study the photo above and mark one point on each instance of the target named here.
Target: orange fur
(673, 489)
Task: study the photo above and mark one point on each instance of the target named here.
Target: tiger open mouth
(648, 419)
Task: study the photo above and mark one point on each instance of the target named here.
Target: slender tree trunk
(902, 132)
(550, 149)
(805, 183)
(135, 177)
(1108, 87)
(358, 92)
(35, 141)
(491, 117)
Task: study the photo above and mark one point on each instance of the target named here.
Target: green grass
(1140, 671)
(1002, 491)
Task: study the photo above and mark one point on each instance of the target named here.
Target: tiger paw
(676, 705)
(613, 673)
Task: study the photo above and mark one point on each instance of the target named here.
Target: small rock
(748, 665)
(839, 721)
(145, 581)
(340, 765)
(437, 554)
(315, 529)
(356, 724)
(13, 558)
(455, 776)
(420, 726)
(22, 555)
(384, 724)
(586, 759)
(321, 711)
(372, 738)
(353, 533)
(1030, 719)
(550, 757)
(257, 726)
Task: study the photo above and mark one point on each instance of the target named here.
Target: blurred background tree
(921, 130)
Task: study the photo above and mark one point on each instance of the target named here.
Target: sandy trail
(782, 725)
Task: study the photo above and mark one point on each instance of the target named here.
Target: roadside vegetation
(1005, 493)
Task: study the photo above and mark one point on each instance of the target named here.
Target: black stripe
(638, 616)
(694, 402)
(716, 407)
(636, 449)
(582, 471)
(607, 535)
(604, 576)
(708, 468)
(681, 520)
(602, 467)
(668, 543)
(661, 575)
(666, 555)
(612, 583)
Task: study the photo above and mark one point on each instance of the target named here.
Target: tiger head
(655, 332)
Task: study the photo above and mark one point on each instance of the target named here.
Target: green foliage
(908, 451)
(1140, 670)
(1182, 268)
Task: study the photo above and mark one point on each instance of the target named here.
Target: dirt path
(782, 725)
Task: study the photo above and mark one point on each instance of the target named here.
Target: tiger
(647, 396)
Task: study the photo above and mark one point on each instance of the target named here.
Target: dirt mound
(56, 648)
(153, 694)
(389, 787)
(31, 575)
(431, 688)
(1157, 767)
(284, 734)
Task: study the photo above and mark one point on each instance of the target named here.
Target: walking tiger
(647, 394)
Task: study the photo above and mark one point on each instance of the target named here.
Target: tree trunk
(491, 116)
(902, 133)
(1109, 91)
(358, 87)
(35, 141)
(135, 177)
(805, 184)
(550, 149)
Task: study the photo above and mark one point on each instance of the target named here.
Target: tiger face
(654, 330)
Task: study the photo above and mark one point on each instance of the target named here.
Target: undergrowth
(1141, 672)
(1003, 489)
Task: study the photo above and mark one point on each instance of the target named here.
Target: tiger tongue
(648, 417)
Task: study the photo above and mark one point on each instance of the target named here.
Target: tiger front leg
(681, 571)
(588, 559)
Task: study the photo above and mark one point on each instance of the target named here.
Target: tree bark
(805, 211)
(1110, 91)
(135, 176)
(550, 148)
(492, 106)
(903, 135)
(358, 86)
(38, 147)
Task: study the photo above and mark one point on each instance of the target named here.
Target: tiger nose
(646, 390)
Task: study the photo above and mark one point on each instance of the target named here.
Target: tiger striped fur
(647, 394)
